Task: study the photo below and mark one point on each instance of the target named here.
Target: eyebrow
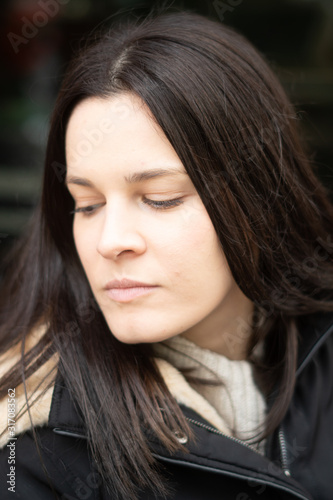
(134, 178)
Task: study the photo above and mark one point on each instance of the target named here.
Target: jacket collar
(314, 331)
(64, 413)
(211, 450)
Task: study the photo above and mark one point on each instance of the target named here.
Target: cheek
(84, 240)
(196, 258)
(78, 238)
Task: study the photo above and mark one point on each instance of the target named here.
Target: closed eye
(157, 204)
(162, 205)
(88, 210)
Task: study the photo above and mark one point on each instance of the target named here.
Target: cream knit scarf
(238, 401)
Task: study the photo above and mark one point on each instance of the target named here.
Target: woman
(173, 298)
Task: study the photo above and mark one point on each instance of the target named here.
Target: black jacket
(298, 462)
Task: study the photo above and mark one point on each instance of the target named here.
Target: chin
(136, 337)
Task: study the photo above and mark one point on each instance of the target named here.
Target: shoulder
(56, 468)
(14, 419)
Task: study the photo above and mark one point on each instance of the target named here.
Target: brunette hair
(229, 121)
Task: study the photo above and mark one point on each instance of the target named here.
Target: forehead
(106, 115)
(116, 133)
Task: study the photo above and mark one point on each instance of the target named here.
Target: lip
(126, 283)
(125, 290)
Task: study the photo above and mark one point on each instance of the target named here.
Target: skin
(123, 235)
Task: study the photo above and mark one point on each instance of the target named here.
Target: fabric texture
(237, 400)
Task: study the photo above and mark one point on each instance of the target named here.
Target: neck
(230, 329)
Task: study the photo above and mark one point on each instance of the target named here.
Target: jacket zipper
(284, 453)
(182, 439)
(220, 433)
(282, 442)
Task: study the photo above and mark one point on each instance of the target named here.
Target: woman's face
(138, 217)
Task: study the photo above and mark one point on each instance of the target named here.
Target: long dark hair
(234, 130)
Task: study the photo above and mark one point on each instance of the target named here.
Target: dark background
(38, 38)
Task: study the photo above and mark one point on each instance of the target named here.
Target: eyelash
(157, 205)
(163, 205)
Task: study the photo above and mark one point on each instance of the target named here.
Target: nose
(119, 233)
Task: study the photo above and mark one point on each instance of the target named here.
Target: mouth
(128, 294)
(126, 290)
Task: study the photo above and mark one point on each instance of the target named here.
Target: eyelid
(155, 204)
(163, 204)
(86, 209)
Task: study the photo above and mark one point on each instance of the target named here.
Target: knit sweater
(237, 399)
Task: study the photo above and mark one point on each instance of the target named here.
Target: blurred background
(38, 38)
